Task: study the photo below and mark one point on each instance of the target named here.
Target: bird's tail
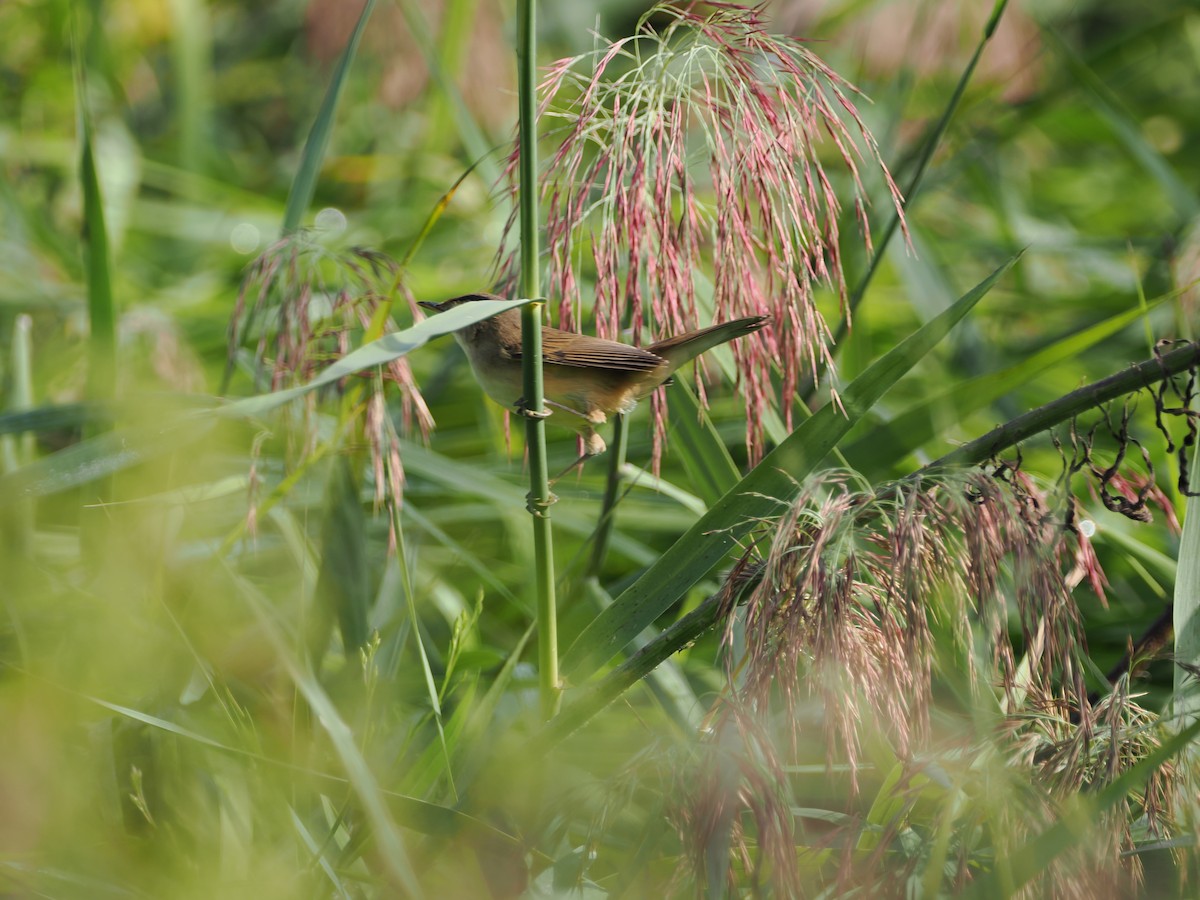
(685, 347)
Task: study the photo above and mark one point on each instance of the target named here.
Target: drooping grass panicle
(852, 579)
(300, 307)
(702, 151)
(848, 633)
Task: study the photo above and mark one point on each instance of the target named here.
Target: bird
(587, 379)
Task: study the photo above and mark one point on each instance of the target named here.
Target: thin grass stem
(612, 486)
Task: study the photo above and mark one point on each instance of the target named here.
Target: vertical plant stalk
(102, 318)
(1186, 605)
(192, 59)
(531, 349)
(608, 507)
(18, 515)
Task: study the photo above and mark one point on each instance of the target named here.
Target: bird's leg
(593, 444)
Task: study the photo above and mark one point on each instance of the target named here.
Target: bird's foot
(537, 507)
(523, 409)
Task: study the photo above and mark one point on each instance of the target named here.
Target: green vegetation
(895, 597)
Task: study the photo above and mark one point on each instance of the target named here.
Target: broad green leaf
(774, 479)
(377, 353)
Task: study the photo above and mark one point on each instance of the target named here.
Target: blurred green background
(153, 741)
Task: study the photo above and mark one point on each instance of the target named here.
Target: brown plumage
(586, 379)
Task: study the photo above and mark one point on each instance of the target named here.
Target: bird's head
(446, 305)
(497, 327)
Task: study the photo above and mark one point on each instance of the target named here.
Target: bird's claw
(523, 409)
(537, 507)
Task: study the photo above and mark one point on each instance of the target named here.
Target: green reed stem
(1065, 408)
(531, 347)
(616, 461)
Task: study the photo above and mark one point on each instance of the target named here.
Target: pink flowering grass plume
(929, 627)
(301, 307)
(700, 171)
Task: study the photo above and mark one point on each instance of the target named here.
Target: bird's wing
(564, 348)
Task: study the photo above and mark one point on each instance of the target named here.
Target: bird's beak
(429, 304)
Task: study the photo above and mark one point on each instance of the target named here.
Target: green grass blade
(305, 183)
(377, 353)
(101, 456)
(471, 481)
(583, 705)
(420, 815)
(914, 183)
(665, 681)
(343, 581)
(317, 854)
(462, 554)
(393, 853)
(431, 690)
(892, 441)
(102, 316)
(16, 443)
(1186, 610)
(710, 540)
(18, 516)
(191, 53)
(475, 744)
(1078, 822)
(617, 448)
(49, 418)
(643, 478)
(710, 469)
(383, 313)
